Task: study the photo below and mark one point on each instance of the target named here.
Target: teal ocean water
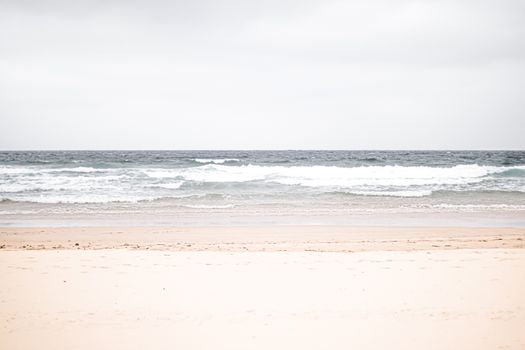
(48, 182)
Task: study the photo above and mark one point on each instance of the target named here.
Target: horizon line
(268, 150)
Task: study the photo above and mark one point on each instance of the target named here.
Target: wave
(216, 161)
(326, 176)
(413, 193)
(107, 198)
(79, 199)
(12, 170)
(479, 206)
(515, 172)
(418, 193)
(170, 186)
(101, 185)
(46, 182)
(214, 171)
(208, 206)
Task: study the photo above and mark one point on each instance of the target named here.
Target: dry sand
(289, 287)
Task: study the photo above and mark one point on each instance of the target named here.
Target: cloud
(276, 74)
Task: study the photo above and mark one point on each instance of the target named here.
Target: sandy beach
(283, 287)
(249, 175)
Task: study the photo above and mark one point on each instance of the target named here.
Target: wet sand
(322, 238)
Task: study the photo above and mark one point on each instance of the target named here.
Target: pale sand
(466, 293)
(263, 238)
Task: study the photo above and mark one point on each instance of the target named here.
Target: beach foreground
(280, 287)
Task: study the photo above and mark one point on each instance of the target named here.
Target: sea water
(51, 183)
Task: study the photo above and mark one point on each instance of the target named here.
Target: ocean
(176, 184)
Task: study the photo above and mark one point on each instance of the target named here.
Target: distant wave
(204, 206)
(171, 185)
(39, 170)
(216, 161)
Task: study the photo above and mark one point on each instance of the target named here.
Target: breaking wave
(132, 184)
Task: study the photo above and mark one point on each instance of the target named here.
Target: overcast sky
(274, 74)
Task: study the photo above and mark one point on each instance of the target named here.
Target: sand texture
(292, 288)
(263, 238)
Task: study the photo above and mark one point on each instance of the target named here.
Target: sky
(275, 74)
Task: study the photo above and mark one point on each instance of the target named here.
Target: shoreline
(269, 238)
(268, 216)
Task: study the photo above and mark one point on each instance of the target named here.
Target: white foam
(47, 182)
(161, 173)
(170, 186)
(81, 198)
(216, 161)
(415, 193)
(331, 176)
(208, 206)
(39, 170)
(90, 185)
(479, 206)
